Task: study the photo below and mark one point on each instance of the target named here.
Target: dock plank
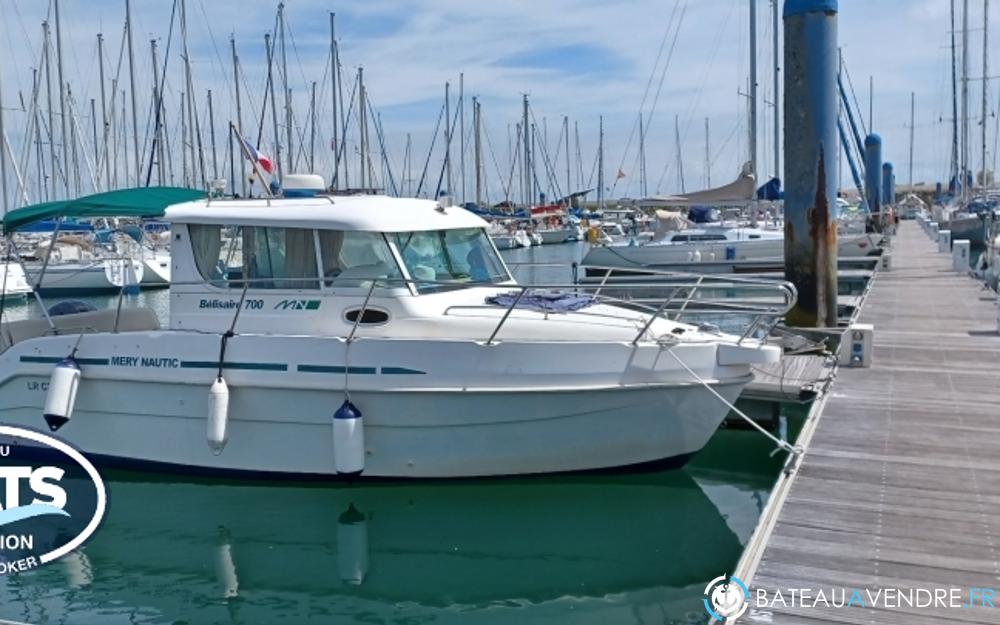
(900, 484)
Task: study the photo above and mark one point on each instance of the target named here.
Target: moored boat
(399, 312)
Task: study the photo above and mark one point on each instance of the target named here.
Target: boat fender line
(795, 450)
(352, 546)
(348, 440)
(60, 399)
(217, 423)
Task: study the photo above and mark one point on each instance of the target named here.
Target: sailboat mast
(211, 134)
(131, 77)
(274, 109)
(913, 108)
(478, 149)
(447, 136)
(335, 183)
(708, 159)
(104, 111)
(954, 101)
(47, 59)
(312, 129)
(289, 150)
(239, 114)
(529, 191)
(600, 162)
(642, 158)
(362, 125)
(569, 185)
(965, 96)
(62, 101)
(986, 82)
(461, 133)
(753, 86)
(777, 90)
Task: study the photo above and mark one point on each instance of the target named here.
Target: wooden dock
(899, 486)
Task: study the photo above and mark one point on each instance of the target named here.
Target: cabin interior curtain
(300, 259)
(206, 243)
(331, 242)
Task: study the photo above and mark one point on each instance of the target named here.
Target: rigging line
(549, 171)
(854, 96)
(218, 55)
(700, 91)
(427, 162)
(649, 84)
(159, 103)
(496, 162)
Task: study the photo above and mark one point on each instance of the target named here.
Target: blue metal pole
(845, 142)
(850, 115)
(873, 177)
(811, 159)
(887, 194)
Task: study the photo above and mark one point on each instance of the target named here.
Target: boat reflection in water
(595, 549)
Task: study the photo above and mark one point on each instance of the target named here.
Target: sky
(682, 64)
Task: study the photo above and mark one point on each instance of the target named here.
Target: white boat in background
(712, 248)
(14, 285)
(397, 317)
(554, 236)
(75, 266)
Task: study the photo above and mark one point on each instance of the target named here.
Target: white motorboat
(715, 249)
(552, 236)
(374, 334)
(14, 285)
(75, 266)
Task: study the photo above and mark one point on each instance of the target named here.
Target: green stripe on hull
(246, 366)
(51, 360)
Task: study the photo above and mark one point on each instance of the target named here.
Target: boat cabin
(310, 265)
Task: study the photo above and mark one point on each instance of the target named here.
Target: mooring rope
(785, 445)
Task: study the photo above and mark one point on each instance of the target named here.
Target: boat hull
(454, 409)
(79, 279)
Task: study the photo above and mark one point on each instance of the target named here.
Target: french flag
(263, 160)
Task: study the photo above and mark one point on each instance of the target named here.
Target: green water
(586, 549)
(597, 549)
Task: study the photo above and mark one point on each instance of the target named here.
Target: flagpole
(253, 162)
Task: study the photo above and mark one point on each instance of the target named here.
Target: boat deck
(900, 483)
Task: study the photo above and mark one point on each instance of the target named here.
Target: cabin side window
(354, 259)
(269, 258)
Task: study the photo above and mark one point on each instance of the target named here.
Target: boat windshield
(463, 256)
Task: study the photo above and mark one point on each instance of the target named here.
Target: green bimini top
(143, 202)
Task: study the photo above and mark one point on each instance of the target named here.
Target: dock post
(960, 252)
(944, 241)
(811, 159)
(873, 178)
(888, 195)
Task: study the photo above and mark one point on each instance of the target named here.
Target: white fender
(348, 440)
(697, 256)
(218, 416)
(61, 396)
(352, 546)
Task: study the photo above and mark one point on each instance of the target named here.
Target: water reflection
(595, 549)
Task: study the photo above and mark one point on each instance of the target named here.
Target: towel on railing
(544, 301)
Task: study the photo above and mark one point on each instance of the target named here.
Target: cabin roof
(365, 213)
